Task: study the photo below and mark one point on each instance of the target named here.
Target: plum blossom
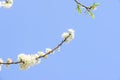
(68, 35)
(9, 60)
(27, 60)
(1, 61)
(6, 3)
(49, 50)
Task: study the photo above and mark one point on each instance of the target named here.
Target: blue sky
(31, 26)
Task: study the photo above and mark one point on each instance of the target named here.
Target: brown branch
(17, 62)
(86, 7)
(55, 48)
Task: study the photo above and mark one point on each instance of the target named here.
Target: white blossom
(71, 31)
(9, 60)
(40, 53)
(49, 50)
(1, 61)
(28, 60)
(66, 34)
(6, 4)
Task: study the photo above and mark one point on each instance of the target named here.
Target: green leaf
(91, 14)
(96, 4)
(79, 8)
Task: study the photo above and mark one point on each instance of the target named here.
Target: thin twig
(86, 7)
(55, 48)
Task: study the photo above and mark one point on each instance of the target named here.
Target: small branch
(55, 48)
(17, 62)
(86, 7)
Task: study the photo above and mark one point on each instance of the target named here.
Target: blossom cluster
(6, 4)
(26, 61)
(68, 36)
(9, 61)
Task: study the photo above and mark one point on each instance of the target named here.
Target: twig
(88, 8)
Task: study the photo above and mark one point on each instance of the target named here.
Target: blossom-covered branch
(6, 3)
(25, 61)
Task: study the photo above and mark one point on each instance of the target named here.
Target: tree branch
(86, 7)
(55, 48)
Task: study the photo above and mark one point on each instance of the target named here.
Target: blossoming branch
(6, 3)
(25, 61)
